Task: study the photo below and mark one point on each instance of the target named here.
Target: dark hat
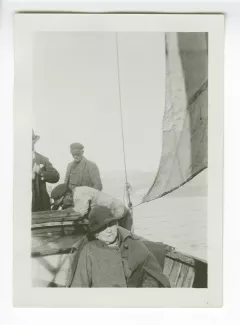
(35, 137)
(76, 146)
(99, 217)
(59, 191)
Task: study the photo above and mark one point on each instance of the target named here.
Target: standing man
(42, 173)
(82, 172)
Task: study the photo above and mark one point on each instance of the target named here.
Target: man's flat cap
(76, 146)
(59, 191)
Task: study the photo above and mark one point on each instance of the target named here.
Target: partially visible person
(62, 198)
(81, 171)
(112, 257)
(84, 198)
(42, 172)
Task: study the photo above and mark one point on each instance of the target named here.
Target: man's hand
(36, 170)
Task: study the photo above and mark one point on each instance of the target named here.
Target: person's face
(108, 234)
(57, 202)
(77, 155)
(68, 199)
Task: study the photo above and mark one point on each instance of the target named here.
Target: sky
(76, 97)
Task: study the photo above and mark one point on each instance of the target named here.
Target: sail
(185, 122)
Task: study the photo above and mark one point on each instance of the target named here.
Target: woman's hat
(99, 217)
(35, 137)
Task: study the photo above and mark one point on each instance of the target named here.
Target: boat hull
(54, 233)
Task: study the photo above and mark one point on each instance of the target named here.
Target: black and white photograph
(120, 189)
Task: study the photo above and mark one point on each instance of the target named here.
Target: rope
(124, 194)
(121, 117)
(120, 108)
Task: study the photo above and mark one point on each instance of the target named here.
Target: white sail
(185, 122)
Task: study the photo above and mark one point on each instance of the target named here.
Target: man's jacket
(40, 197)
(84, 173)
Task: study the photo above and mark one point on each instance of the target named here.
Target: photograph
(120, 156)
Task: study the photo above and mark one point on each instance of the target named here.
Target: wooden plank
(57, 224)
(61, 230)
(168, 264)
(57, 219)
(173, 277)
(188, 282)
(53, 213)
(48, 233)
(182, 275)
(176, 256)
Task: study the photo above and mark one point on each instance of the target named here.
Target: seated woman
(112, 257)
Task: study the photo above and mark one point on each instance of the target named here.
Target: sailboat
(184, 155)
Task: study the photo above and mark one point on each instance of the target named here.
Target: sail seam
(199, 91)
(176, 139)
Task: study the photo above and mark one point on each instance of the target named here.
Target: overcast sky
(76, 97)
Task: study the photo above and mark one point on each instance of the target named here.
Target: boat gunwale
(62, 218)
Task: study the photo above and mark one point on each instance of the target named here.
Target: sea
(177, 221)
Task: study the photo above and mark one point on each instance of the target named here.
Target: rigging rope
(121, 118)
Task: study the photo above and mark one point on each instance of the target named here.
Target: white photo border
(25, 25)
